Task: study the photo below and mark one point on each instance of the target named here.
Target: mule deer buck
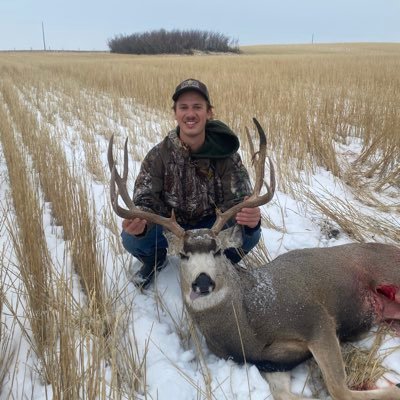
(278, 315)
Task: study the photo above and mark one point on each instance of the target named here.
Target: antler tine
(116, 177)
(125, 173)
(255, 199)
(250, 140)
(123, 213)
(132, 211)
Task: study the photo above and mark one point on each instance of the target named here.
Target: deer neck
(224, 325)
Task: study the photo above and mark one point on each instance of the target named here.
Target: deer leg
(279, 385)
(326, 351)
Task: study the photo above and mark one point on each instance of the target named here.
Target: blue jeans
(152, 246)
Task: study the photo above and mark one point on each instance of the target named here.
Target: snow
(156, 326)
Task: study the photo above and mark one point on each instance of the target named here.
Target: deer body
(297, 306)
(276, 310)
(276, 316)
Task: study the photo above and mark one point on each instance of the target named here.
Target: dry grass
(364, 365)
(130, 360)
(73, 212)
(80, 362)
(372, 49)
(30, 244)
(59, 109)
(352, 222)
(57, 324)
(7, 347)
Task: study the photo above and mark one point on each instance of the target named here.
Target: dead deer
(276, 316)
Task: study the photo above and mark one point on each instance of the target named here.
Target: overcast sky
(87, 24)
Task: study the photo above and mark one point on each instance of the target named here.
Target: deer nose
(203, 284)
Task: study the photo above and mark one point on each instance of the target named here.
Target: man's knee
(131, 243)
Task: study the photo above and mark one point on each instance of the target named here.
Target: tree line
(172, 42)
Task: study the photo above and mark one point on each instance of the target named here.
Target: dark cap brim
(189, 89)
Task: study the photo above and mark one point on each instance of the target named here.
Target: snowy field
(154, 326)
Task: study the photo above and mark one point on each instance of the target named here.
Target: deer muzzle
(202, 286)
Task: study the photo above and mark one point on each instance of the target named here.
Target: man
(193, 171)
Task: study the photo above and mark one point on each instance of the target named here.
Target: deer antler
(132, 211)
(255, 199)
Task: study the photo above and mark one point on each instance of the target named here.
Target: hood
(221, 141)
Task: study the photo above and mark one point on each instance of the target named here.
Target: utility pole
(44, 39)
(312, 39)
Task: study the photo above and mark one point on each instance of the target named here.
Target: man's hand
(134, 226)
(249, 217)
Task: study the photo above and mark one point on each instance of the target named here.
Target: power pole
(312, 39)
(44, 39)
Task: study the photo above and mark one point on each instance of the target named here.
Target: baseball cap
(191, 84)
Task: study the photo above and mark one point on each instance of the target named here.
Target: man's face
(191, 114)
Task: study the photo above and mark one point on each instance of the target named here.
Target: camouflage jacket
(193, 184)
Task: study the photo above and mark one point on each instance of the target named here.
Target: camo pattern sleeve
(149, 183)
(234, 180)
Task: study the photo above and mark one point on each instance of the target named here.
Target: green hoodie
(220, 142)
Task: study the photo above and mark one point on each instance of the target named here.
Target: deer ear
(231, 237)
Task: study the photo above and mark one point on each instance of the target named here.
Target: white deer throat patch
(204, 263)
(201, 303)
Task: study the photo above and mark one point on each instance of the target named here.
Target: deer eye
(217, 253)
(183, 256)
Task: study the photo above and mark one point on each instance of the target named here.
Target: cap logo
(190, 83)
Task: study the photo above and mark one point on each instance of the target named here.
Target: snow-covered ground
(176, 367)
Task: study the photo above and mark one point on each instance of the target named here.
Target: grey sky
(86, 25)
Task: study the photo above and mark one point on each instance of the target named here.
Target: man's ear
(231, 237)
